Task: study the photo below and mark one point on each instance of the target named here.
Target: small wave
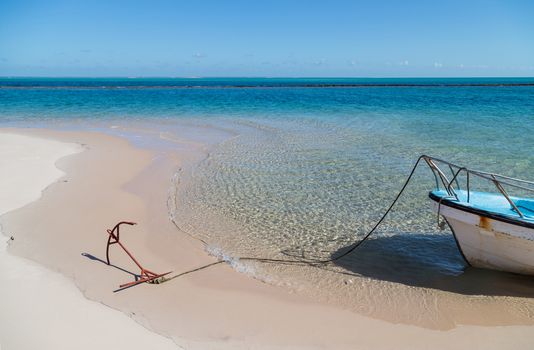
(241, 267)
(232, 261)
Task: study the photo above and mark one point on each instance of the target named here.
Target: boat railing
(500, 181)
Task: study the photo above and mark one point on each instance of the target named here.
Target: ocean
(293, 168)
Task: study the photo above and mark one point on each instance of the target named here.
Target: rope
(354, 246)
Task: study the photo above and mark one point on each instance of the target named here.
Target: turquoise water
(306, 166)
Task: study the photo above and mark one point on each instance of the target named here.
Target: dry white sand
(39, 308)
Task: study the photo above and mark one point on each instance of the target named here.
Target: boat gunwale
(452, 202)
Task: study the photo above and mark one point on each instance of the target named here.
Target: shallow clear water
(291, 169)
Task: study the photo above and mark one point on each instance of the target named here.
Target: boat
(493, 230)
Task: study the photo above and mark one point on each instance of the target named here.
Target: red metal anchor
(145, 275)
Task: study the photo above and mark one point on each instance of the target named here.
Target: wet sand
(65, 230)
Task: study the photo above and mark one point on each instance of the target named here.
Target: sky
(278, 38)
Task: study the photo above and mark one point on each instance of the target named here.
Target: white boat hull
(489, 243)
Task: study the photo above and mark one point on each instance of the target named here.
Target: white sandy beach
(40, 308)
(214, 309)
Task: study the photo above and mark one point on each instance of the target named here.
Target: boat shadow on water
(429, 261)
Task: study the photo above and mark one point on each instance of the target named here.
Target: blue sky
(288, 38)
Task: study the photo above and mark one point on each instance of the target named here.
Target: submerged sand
(217, 308)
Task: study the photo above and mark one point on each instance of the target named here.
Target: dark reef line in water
(269, 86)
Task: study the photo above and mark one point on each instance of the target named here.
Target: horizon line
(254, 77)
